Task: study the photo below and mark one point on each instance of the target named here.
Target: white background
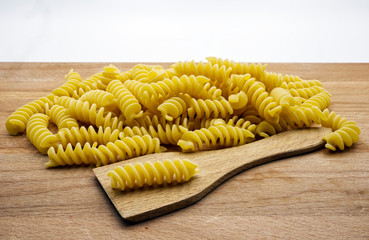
(168, 31)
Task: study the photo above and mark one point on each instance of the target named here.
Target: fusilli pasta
(150, 173)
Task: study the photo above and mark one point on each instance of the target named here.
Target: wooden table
(322, 195)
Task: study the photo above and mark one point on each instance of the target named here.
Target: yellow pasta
(196, 106)
(148, 74)
(101, 99)
(267, 129)
(255, 70)
(307, 92)
(58, 115)
(167, 134)
(220, 135)
(91, 114)
(149, 173)
(86, 85)
(167, 88)
(236, 121)
(321, 100)
(345, 132)
(103, 154)
(109, 74)
(299, 117)
(126, 148)
(38, 133)
(260, 98)
(238, 100)
(301, 84)
(127, 102)
(82, 135)
(172, 108)
(16, 122)
(283, 97)
(78, 155)
(72, 80)
(218, 75)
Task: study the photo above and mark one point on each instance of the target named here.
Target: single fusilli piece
(236, 121)
(345, 132)
(321, 100)
(82, 135)
(78, 155)
(58, 115)
(16, 122)
(159, 91)
(172, 108)
(259, 97)
(299, 117)
(126, 148)
(87, 85)
(38, 132)
(109, 74)
(101, 99)
(257, 71)
(301, 84)
(150, 173)
(306, 93)
(127, 102)
(284, 97)
(72, 80)
(266, 129)
(90, 113)
(218, 75)
(214, 136)
(148, 73)
(167, 134)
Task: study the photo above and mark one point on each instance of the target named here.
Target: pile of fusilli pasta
(113, 115)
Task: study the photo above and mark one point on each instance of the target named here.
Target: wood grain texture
(321, 195)
(216, 166)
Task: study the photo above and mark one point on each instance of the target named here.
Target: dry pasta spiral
(219, 75)
(321, 100)
(167, 134)
(209, 108)
(16, 122)
(255, 70)
(128, 104)
(172, 108)
(259, 98)
(299, 117)
(86, 85)
(58, 115)
(236, 121)
(82, 135)
(266, 129)
(126, 148)
(70, 155)
(301, 84)
(147, 74)
(283, 97)
(109, 74)
(91, 114)
(167, 88)
(38, 133)
(71, 84)
(101, 99)
(149, 173)
(307, 92)
(345, 132)
(220, 135)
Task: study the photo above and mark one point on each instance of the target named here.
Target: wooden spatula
(216, 166)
